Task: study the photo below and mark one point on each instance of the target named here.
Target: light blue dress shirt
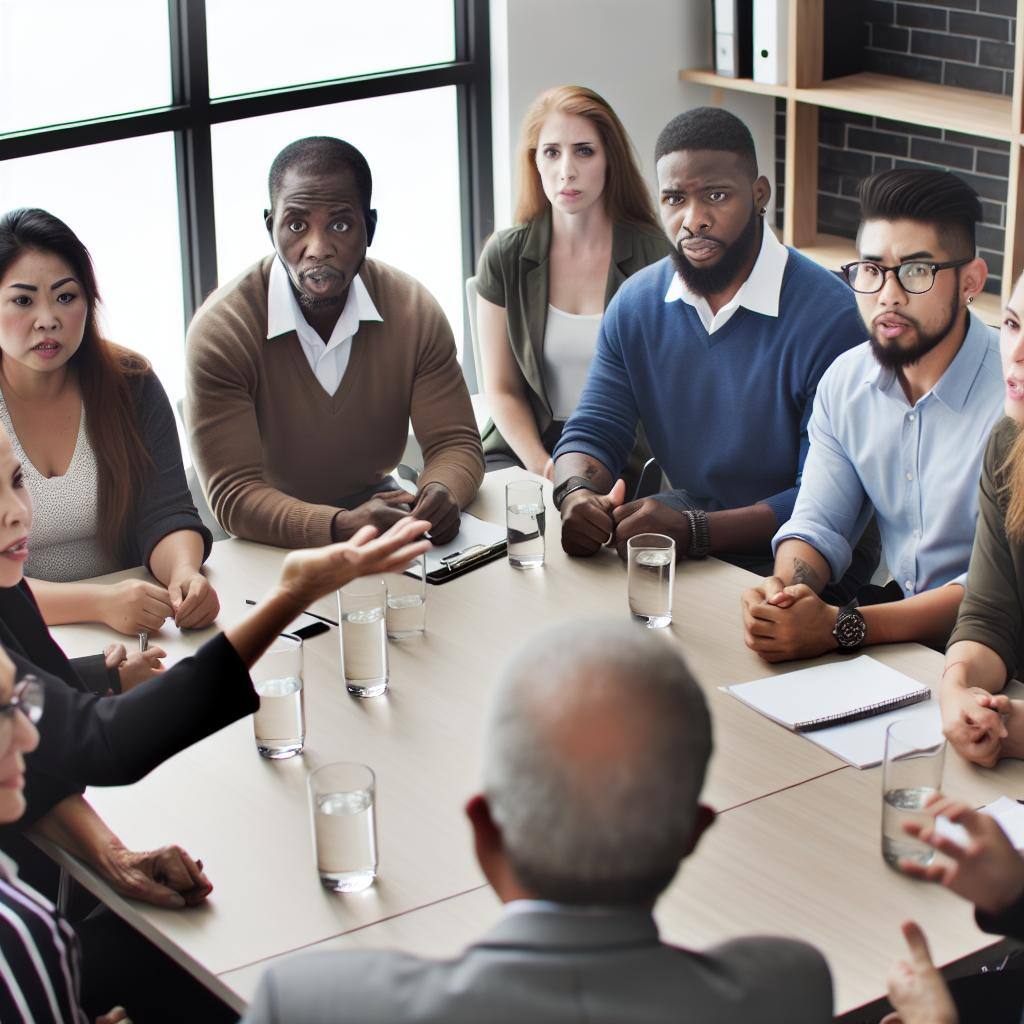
(917, 465)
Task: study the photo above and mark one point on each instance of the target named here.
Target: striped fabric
(39, 958)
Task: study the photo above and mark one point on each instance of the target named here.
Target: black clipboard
(461, 562)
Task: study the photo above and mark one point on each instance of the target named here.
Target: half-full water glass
(915, 752)
(525, 521)
(407, 600)
(651, 573)
(362, 609)
(280, 721)
(341, 799)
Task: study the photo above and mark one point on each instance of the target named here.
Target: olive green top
(513, 273)
(991, 612)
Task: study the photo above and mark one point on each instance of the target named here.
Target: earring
(764, 210)
(970, 299)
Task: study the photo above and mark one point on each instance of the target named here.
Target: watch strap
(850, 630)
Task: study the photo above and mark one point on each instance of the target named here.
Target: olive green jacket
(513, 273)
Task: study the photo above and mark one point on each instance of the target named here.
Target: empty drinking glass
(280, 721)
(364, 644)
(407, 600)
(341, 799)
(651, 571)
(524, 518)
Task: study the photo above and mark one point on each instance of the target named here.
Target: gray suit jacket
(556, 967)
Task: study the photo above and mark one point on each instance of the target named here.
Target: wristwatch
(700, 539)
(850, 629)
(574, 483)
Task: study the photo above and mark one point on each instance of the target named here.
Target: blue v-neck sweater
(725, 413)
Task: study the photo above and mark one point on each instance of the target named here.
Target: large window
(150, 126)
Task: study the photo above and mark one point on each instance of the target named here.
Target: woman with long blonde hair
(987, 646)
(584, 223)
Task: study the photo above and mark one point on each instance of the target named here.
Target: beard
(313, 305)
(705, 281)
(895, 357)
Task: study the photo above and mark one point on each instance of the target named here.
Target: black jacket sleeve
(165, 504)
(93, 671)
(1010, 922)
(88, 740)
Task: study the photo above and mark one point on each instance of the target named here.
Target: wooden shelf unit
(898, 99)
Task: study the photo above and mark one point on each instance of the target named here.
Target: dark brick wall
(968, 43)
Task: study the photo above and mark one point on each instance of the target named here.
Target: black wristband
(700, 538)
(574, 483)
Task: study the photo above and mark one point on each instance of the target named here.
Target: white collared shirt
(759, 293)
(328, 362)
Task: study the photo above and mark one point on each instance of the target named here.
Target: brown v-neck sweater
(276, 453)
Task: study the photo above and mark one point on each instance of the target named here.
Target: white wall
(630, 51)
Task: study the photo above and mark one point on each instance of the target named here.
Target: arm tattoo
(805, 573)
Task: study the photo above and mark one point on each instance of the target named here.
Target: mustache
(683, 242)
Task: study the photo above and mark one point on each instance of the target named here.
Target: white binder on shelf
(733, 37)
(771, 38)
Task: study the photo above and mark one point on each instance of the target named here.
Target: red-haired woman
(97, 441)
(584, 223)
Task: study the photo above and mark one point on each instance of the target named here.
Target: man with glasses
(899, 429)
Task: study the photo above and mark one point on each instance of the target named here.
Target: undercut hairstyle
(321, 154)
(597, 744)
(927, 196)
(626, 197)
(708, 128)
(104, 370)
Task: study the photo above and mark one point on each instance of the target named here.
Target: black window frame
(192, 113)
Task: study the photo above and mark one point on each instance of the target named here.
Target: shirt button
(908, 584)
(911, 417)
(910, 476)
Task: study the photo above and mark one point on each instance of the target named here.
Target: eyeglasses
(27, 698)
(915, 277)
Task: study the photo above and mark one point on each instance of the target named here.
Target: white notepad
(864, 692)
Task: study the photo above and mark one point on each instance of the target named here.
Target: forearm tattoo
(805, 573)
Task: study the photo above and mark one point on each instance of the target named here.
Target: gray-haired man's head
(596, 750)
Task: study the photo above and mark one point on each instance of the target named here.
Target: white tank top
(63, 545)
(569, 341)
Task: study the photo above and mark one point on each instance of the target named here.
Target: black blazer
(90, 740)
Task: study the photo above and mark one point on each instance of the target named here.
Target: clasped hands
(591, 521)
(781, 623)
(433, 503)
(975, 722)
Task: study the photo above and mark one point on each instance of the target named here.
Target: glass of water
(651, 571)
(407, 600)
(364, 642)
(915, 752)
(341, 800)
(280, 721)
(524, 518)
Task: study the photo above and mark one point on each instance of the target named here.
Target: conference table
(794, 851)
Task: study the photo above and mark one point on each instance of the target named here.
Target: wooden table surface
(795, 850)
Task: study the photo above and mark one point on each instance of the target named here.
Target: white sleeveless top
(569, 341)
(63, 543)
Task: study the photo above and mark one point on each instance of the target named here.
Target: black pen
(312, 615)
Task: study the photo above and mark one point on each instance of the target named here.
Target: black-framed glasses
(27, 697)
(915, 276)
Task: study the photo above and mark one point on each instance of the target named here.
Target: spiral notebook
(832, 704)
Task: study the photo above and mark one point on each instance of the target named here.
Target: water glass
(407, 600)
(524, 518)
(651, 572)
(280, 721)
(362, 606)
(341, 801)
(915, 752)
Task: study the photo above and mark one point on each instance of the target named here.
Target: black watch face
(850, 630)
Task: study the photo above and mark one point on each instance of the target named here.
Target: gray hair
(597, 744)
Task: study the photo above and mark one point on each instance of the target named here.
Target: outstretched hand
(311, 573)
(916, 988)
(988, 871)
